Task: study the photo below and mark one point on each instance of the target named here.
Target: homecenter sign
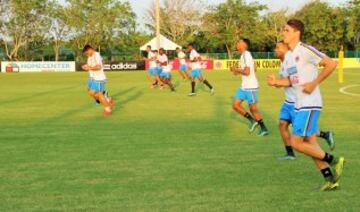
(23, 66)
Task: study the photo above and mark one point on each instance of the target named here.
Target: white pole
(157, 17)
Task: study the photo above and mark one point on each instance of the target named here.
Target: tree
(179, 19)
(59, 30)
(98, 22)
(324, 25)
(229, 21)
(22, 22)
(274, 23)
(353, 24)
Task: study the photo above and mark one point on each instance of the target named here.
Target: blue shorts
(165, 75)
(287, 112)
(306, 123)
(251, 96)
(96, 85)
(153, 71)
(195, 73)
(159, 70)
(183, 67)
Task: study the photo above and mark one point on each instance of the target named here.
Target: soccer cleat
(329, 186)
(338, 168)
(111, 102)
(107, 111)
(192, 94)
(287, 157)
(212, 91)
(263, 132)
(329, 138)
(161, 87)
(252, 126)
(97, 102)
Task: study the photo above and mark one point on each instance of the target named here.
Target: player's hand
(85, 67)
(271, 78)
(309, 87)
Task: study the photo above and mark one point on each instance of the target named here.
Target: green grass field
(161, 151)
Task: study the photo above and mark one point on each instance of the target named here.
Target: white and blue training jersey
(301, 64)
(290, 95)
(249, 82)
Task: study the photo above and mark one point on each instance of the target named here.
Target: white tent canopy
(164, 43)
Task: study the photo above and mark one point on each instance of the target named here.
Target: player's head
(148, 48)
(156, 52)
(88, 50)
(190, 47)
(243, 44)
(178, 49)
(281, 49)
(293, 31)
(161, 51)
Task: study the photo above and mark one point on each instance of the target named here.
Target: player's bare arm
(94, 68)
(272, 81)
(245, 71)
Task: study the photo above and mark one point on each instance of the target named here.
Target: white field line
(343, 90)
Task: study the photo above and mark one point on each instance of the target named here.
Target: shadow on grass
(36, 95)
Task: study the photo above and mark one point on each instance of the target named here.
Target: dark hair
(190, 44)
(177, 48)
(247, 41)
(298, 25)
(148, 46)
(86, 48)
(161, 49)
(155, 51)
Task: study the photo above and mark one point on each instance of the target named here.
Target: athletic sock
(323, 134)
(329, 158)
(262, 124)
(193, 87)
(207, 84)
(172, 88)
(327, 174)
(249, 117)
(289, 150)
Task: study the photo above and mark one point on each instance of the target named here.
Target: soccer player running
(97, 80)
(249, 89)
(183, 68)
(287, 111)
(301, 64)
(165, 75)
(195, 72)
(152, 73)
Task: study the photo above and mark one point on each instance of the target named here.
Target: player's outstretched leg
(212, 90)
(329, 138)
(238, 108)
(257, 116)
(310, 147)
(107, 106)
(166, 79)
(193, 84)
(285, 135)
